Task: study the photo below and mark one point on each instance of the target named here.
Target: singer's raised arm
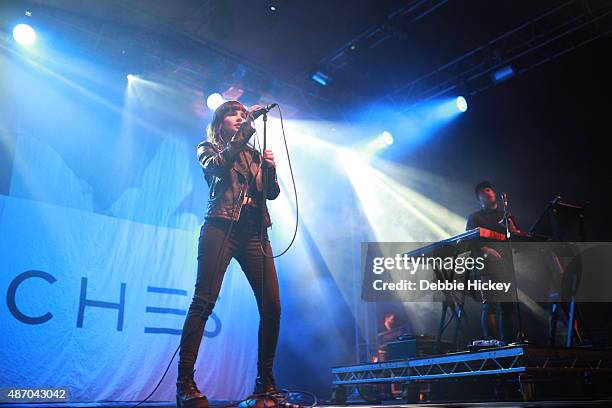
(216, 161)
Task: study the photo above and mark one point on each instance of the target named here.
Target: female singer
(235, 226)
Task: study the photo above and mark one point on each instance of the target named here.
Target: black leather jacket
(227, 173)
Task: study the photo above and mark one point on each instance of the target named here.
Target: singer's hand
(268, 157)
(251, 110)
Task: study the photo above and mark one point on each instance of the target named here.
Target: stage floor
(226, 404)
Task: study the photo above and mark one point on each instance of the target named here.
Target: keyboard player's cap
(481, 186)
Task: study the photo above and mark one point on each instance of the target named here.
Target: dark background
(535, 136)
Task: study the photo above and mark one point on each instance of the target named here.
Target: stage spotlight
(387, 138)
(130, 77)
(503, 74)
(214, 100)
(320, 78)
(24, 34)
(376, 146)
(444, 110)
(461, 104)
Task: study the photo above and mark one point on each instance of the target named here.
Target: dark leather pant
(243, 244)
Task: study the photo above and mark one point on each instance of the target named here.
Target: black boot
(269, 327)
(265, 385)
(187, 393)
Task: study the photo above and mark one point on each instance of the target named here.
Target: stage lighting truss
(498, 361)
(542, 39)
(561, 29)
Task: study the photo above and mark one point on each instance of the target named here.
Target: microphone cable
(295, 193)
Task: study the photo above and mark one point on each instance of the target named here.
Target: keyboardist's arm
(513, 226)
(490, 252)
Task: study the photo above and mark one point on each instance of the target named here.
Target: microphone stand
(262, 400)
(506, 219)
(506, 214)
(264, 183)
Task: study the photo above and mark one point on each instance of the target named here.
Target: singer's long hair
(214, 133)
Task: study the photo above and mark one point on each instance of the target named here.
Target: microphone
(255, 114)
(261, 111)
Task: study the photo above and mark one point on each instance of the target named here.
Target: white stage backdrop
(96, 302)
